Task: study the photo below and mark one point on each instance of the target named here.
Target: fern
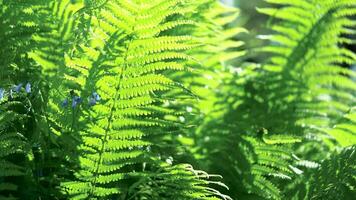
(113, 99)
(258, 160)
(300, 92)
(13, 143)
(306, 59)
(336, 178)
(20, 101)
(122, 63)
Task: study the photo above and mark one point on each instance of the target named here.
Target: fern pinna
(108, 95)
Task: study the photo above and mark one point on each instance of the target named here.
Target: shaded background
(255, 23)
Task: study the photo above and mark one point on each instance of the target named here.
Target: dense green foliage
(155, 99)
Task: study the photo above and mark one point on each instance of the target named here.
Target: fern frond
(335, 178)
(125, 61)
(13, 144)
(178, 182)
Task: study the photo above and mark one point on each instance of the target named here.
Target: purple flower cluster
(15, 89)
(76, 100)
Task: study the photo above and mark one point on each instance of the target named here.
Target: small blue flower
(2, 93)
(64, 103)
(74, 103)
(18, 87)
(96, 96)
(28, 88)
(92, 102)
(94, 99)
(76, 100)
